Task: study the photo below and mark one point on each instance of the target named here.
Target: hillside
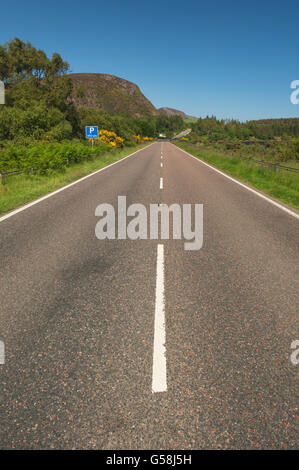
(176, 112)
(274, 121)
(113, 94)
(275, 127)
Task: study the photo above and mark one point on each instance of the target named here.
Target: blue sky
(229, 58)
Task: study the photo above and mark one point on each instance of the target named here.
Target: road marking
(161, 183)
(276, 204)
(161, 157)
(37, 201)
(161, 165)
(2, 353)
(159, 380)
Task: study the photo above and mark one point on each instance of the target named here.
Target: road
(79, 315)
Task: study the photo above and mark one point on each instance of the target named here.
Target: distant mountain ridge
(176, 112)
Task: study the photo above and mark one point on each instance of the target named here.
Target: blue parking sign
(92, 132)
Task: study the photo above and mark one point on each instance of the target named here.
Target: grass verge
(283, 186)
(18, 190)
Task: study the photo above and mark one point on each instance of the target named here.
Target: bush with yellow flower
(138, 139)
(110, 138)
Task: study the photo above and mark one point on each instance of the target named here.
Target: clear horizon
(231, 60)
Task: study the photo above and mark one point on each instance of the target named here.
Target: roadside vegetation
(20, 189)
(215, 130)
(273, 140)
(283, 185)
(251, 152)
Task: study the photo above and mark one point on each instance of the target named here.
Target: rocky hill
(176, 112)
(113, 94)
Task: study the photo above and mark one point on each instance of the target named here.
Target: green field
(283, 186)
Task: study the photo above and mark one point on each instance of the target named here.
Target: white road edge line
(37, 201)
(288, 211)
(159, 379)
(161, 183)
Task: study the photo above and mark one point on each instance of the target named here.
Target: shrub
(110, 138)
(44, 156)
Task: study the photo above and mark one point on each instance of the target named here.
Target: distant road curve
(182, 134)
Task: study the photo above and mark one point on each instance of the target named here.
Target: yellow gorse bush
(110, 138)
(138, 139)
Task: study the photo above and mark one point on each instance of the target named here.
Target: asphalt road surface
(80, 316)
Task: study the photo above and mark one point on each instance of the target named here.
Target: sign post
(91, 132)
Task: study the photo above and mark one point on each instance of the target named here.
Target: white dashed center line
(161, 183)
(2, 353)
(159, 380)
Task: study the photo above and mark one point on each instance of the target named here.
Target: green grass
(20, 189)
(283, 186)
